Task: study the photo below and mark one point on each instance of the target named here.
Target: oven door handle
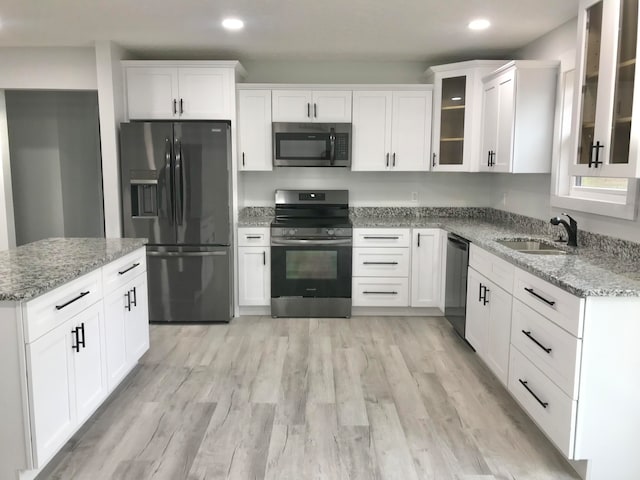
(337, 241)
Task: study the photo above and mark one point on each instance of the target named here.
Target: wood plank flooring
(291, 399)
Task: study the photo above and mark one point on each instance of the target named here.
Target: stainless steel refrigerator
(175, 179)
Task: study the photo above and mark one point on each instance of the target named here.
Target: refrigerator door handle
(178, 182)
(167, 180)
(187, 254)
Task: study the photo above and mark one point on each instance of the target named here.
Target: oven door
(311, 268)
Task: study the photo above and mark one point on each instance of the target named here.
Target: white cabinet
(137, 320)
(426, 268)
(606, 92)
(158, 90)
(254, 130)
(518, 112)
(391, 130)
(488, 327)
(254, 267)
(457, 106)
(311, 106)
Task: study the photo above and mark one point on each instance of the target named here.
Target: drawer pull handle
(540, 297)
(380, 263)
(524, 384)
(381, 238)
(253, 237)
(528, 334)
(82, 294)
(379, 293)
(122, 272)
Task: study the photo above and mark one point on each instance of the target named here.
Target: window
(614, 197)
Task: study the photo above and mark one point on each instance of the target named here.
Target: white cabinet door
(50, 376)
(292, 106)
(331, 106)
(137, 320)
(116, 337)
(152, 92)
(411, 131)
(496, 354)
(477, 315)
(426, 270)
(371, 142)
(254, 276)
(506, 117)
(254, 130)
(89, 361)
(205, 93)
(489, 126)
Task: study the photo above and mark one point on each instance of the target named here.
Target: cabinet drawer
(557, 416)
(47, 311)
(380, 262)
(380, 292)
(253, 237)
(550, 348)
(562, 308)
(495, 269)
(122, 270)
(381, 237)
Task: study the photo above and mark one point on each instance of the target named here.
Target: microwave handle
(332, 142)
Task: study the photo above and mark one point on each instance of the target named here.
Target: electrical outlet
(414, 197)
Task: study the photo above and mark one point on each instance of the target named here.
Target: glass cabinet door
(452, 116)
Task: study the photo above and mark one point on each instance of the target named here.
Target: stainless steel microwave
(311, 144)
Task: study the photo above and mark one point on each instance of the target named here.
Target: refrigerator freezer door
(189, 284)
(146, 169)
(201, 179)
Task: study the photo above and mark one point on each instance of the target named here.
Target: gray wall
(55, 164)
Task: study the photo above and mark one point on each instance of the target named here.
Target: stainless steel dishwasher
(456, 282)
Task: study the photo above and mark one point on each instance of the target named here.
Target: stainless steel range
(311, 243)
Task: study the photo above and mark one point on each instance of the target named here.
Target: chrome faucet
(571, 228)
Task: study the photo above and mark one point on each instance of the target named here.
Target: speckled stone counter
(601, 266)
(38, 267)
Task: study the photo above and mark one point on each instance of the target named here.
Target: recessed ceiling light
(232, 23)
(479, 24)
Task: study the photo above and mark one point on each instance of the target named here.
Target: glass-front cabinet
(607, 138)
(457, 114)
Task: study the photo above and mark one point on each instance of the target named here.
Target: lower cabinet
(488, 327)
(427, 289)
(254, 267)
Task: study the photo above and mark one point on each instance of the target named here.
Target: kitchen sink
(534, 247)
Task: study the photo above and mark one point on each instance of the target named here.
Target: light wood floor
(296, 399)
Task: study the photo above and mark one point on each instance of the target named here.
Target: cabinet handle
(418, 240)
(489, 158)
(175, 106)
(530, 337)
(122, 272)
(128, 305)
(134, 302)
(315, 110)
(380, 238)
(81, 342)
(181, 107)
(433, 163)
(253, 237)
(380, 263)
(548, 302)
(493, 158)
(524, 384)
(480, 292)
(76, 347)
(485, 300)
(394, 159)
(597, 162)
(379, 293)
(264, 258)
(308, 109)
(82, 294)
(243, 159)
(387, 160)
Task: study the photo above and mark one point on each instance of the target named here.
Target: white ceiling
(373, 30)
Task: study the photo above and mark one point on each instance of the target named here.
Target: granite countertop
(585, 271)
(36, 268)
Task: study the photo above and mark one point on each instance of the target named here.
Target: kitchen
(522, 194)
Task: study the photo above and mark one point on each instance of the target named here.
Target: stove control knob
(331, 232)
(292, 231)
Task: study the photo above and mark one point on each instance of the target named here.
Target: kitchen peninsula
(73, 323)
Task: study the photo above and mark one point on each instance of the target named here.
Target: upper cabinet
(457, 105)
(254, 130)
(606, 143)
(391, 130)
(159, 90)
(311, 106)
(518, 109)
